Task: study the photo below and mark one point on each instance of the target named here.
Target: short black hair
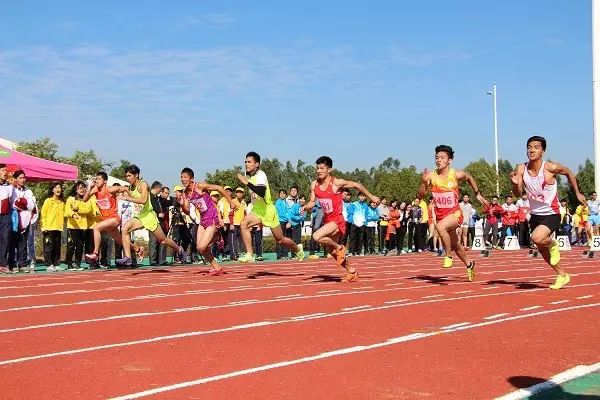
(18, 173)
(254, 155)
(495, 197)
(446, 149)
(165, 187)
(593, 193)
(294, 187)
(508, 195)
(51, 190)
(116, 184)
(102, 175)
(2, 165)
(282, 191)
(383, 198)
(132, 169)
(537, 139)
(73, 192)
(188, 171)
(346, 190)
(325, 160)
(302, 197)
(156, 184)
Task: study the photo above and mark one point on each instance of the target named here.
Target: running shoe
(216, 272)
(447, 262)
(91, 258)
(124, 262)
(554, 253)
(471, 271)
(561, 281)
(340, 256)
(313, 257)
(350, 277)
(140, 253)
(51, 268)
(247, 258)
(300, 253)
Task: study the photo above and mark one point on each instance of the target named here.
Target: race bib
(444, 200)
(202, 205)
(326, 205)
(103, 204)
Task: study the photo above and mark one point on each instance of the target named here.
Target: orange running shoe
(350, 277)
(340, 257)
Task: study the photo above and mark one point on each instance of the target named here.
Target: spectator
(594, 218)
(33, 226)
(166, 203)
(181, 232)
(523, 221)
(384, 218)
(372, 218)
(316, 222)
(405, 215)
(509, 218)
(78, 214)
(348, 213)
(566, 221)
(584, 230)
(293, 197)
(414, 227)
(392, 227)
(23, 206)
(155, 248)
(493, 212)
(53, 223)
(472, 226)
(435, 243)
(359, 221)
(6, 193)
(296, 219)
(236, 217)
(467, 211)
(424, 224)
(224, 208)
(282, 207)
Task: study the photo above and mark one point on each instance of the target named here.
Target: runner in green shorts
(263, 210)
(146, 218)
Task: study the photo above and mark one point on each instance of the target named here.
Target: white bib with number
(563, 243)
(595, 246)
(478, 243)
(326, 205)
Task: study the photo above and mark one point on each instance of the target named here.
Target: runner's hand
(375, 200)
(425, 177)
(515, 178)
(582, 199)
(242, 179)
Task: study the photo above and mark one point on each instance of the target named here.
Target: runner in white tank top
(537, 178)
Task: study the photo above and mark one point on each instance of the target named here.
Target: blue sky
(199, 83)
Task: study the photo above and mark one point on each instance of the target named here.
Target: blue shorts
(594, 220)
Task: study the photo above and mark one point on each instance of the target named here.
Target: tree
(43, 148)
(117, 169)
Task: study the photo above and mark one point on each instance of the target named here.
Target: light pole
(596, 88)
(493, 94)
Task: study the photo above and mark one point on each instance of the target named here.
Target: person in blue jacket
(359, 224)
(348, 212)
(372, 217)
(282, 210)
(296, 219)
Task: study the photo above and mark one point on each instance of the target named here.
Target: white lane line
(289, 296)
(356, 308)
(464, 291)
(219, 306)
(495, 316)
(585, 297)
(243, 302)
(556, 380)
(308, 316)
(559, 302)
(433, 296)
(329, 291)
(240, 287)
(491, 287)
(335, 353)
(394, 284)
(454, 326)
(363, 287)
(530, 308)
(396, 301)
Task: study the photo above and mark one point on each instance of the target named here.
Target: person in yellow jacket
(53, 223)
(582, 213)
(80, 216)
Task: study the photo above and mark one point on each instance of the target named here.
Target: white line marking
(307, 316)
(356, 308)
(454, 326)
(491, 287)
(242, 302)
(289, 296)
(394, 284)
(396, 301)
(568, 375)
(334, 353)
(362, 287)
(463, 291)
(585, 297)
(329, 291)
(559, 302)
(495, 316)
(530, 308)
(433, 296)
(241, 287)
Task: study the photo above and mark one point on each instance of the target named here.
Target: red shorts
(456, 212)
(341, 224)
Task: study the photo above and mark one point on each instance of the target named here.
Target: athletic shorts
(456, 213)
(149, 220)
(594, 220)
(267, 215)
(552, 222)
(210, 221)
(341, 224)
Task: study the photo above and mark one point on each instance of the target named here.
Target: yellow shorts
(267, 215)
(149, 220)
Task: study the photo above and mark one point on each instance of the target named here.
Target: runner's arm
(516, 178)
(341, 184)
(312, 201)
(425, 184)
(92, 190)
(465, 176)
(557, 168)
(210, 187)
(144, 193)
(260, 190)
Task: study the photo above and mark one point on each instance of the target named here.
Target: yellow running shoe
(554, 253)
(247, 258)
(447, 262)
(561, 281)
(471, 272)
(300, 253)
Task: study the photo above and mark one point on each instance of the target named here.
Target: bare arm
(516, 178)
(425, 184)
(557, 168)
(341, 184)
(465, 176)
(144, 193)
(312, 202)
(210, 187)
(92, 190)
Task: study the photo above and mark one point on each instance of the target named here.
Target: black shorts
(550, 221)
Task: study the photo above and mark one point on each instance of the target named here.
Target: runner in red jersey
(111, 221)
(327, 190)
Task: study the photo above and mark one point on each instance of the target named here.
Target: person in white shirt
(467, 211)
(594, 218)
(6, 192)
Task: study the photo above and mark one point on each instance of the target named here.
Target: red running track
(407, 329)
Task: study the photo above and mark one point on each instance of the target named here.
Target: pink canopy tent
(37, 169)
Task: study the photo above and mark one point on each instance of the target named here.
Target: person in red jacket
(523, 221)
(509, 218)
(493, 212)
